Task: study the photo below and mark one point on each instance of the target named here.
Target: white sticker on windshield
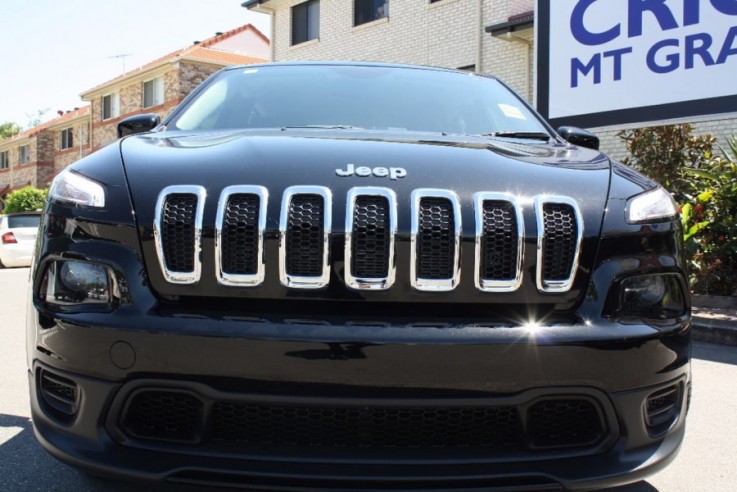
(512, 111)
(251, 70)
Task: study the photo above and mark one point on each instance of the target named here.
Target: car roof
(15, 214)
(355, 64)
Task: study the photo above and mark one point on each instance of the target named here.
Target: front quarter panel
(106, 235)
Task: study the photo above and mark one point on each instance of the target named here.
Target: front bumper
(301, 364)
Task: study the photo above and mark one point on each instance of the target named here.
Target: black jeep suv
(358, 276)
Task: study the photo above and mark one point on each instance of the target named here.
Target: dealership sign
(608, 62)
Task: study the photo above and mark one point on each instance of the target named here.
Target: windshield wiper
(526, 135)
(324, 127)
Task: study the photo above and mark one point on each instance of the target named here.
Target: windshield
(16, 221)
(366, 97)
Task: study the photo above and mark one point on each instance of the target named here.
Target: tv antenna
(122, 58)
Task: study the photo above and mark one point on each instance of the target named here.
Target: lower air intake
(60, 394)
(559, 423)
(366, 427)
(164, 415)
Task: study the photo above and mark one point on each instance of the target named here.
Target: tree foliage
(9, 129)
(25, 200)
(37, 117)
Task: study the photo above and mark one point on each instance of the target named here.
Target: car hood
(402, 162)
(279, 159)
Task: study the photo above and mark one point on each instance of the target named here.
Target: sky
(52, 50)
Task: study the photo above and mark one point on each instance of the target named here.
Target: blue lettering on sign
(702, 50)
(636, 10)
(673, 59)
(728, 7)
(691, 14)
(694, 45)
(658, 8)
(595, 65)
(578, 66)
(728, 48)
(663, 57)
(583, 35)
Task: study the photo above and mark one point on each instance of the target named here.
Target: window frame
(157, 89)
(4, 160)
(310, 6)
(24, 154)
(114, 106)
(66, 138)
(369, 5)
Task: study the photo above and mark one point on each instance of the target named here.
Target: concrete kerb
(715, 319)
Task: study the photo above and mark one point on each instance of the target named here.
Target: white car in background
(18, 238)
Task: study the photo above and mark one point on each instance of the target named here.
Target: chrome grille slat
(178, 232)
(435, 237)
(239, 237)
(560, 232)
(370, 236)
(371, 226)
(304, 234)
(499, 242)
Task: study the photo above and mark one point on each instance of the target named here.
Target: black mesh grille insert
(304, 241)
(179, 416)
(178, 231)
(559, 243)
(435, 239)
(556, 423)
(662, 408)
(240, 235)
(499, 241)
(164, 415)
(371, 237)
(366, 427)
(58, 392)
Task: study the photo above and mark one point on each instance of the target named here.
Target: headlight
(651, 206)
(652, 297)
(74, 188)
(74, 282)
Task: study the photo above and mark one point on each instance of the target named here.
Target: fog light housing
(75, 282)
(652, 297)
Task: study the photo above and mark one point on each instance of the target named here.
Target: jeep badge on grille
(379, 172)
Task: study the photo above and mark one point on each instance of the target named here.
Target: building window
(153, 92)
(369, 10)
(305, 21)
(67, 139)
(110, 108)
(24, 154)
(4, 160)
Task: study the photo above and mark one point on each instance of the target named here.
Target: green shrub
(711, 218)
(25, 199)
(705, 187)
(664, 153)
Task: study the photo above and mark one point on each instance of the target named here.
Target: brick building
(443, 33)
(35, 156)
(71, 135)
(26, 159)
(487, 36)
(160, 85)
